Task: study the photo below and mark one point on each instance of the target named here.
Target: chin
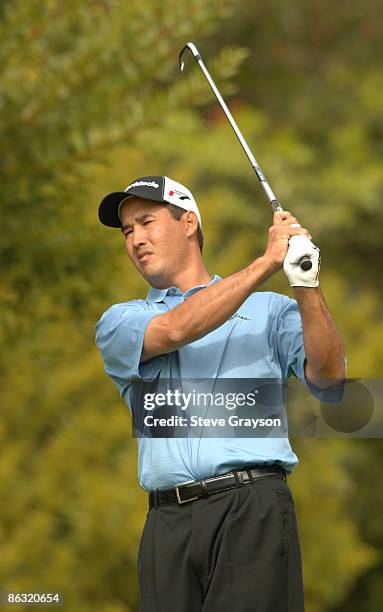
(156, 279)
(152, 275)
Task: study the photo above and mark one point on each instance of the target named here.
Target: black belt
(195, 489)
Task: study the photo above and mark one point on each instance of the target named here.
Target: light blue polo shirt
(263, 339)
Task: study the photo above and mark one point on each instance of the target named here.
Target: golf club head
(193, 49)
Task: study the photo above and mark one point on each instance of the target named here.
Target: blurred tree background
(91, 97)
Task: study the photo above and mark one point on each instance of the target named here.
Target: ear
(191, 222)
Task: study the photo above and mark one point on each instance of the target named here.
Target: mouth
(143, 256)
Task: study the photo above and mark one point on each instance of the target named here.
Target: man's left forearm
(323, 345)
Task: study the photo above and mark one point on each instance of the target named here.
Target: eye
(127, 233)
(147, 222)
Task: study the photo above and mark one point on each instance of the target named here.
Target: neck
(187, 279)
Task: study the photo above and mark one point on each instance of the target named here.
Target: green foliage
(315, 69)
(332, 550)
(77, 82)
(80, 82)
(91, 98)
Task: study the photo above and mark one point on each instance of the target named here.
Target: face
(157, 244)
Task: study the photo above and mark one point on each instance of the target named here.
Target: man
(226, 540)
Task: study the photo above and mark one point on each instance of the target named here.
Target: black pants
(235, 551)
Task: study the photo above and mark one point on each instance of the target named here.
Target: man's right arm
(209, 308)
(203, 311)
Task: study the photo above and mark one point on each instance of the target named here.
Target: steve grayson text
(199, 421)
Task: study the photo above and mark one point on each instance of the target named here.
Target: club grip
(305, 264)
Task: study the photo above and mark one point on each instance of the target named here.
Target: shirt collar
(158, 295)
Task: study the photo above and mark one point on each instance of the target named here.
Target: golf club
(305, 263)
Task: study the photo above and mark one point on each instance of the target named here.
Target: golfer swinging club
(227, 539)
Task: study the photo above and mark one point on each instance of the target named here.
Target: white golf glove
(301, 246)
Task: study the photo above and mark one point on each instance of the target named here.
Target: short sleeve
(120, 336)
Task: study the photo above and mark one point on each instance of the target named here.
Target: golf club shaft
(257, 169)
(305, 262)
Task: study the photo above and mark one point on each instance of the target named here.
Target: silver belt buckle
(184, 501)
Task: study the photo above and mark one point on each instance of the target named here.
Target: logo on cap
(143, 184)
(181, 196)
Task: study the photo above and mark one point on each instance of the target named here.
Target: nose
(139, 236)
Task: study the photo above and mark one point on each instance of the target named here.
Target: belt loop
(155, 499)
(204, 488)
(251, 477)
(238, 477)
